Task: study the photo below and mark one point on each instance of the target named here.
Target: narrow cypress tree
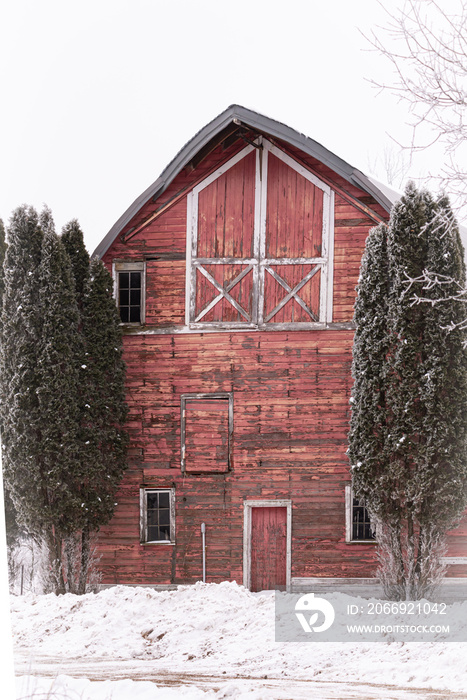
(103, 390)
(408, 251)
(59, 356)
(3, 247)
(21, 330)
(62, 392)
(102, 455)
(440, 474)
(72, 238)
(103, 407)
(368, 421)
(40, 363)
(13, 531)
(77, 544)
(408, 432)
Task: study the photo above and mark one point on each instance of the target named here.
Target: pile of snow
(216, 629)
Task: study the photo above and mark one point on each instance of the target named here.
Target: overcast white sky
(99, 95)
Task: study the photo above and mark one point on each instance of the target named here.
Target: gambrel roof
(234, 121)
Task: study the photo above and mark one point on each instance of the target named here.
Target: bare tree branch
(426, 46)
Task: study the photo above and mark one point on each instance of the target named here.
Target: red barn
(235, 276)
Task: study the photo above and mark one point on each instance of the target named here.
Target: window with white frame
(157, 516)
(358, 526)
(260, 244)
(129, 280)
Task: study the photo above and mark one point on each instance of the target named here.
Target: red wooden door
(268, 548)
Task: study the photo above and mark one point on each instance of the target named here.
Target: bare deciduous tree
(426, 44)
(392, 163)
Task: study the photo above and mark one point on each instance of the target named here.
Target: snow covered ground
(208, 641)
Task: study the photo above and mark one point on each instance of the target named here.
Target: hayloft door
(268, 548)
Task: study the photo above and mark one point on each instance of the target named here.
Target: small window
(129, 291)
(206, 432)
(157, 516)
(129, 296)
(358, 523)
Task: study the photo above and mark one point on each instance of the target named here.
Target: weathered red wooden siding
(291, 414)
(227, 213)
(350, 231)
(291, 392)
(294, 215)
(165, 292)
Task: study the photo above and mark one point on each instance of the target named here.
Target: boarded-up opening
(206, 432)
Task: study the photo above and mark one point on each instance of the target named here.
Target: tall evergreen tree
(408, 429)
(102, 456)
(72, 238)
(371, 344)
(62, 392)
(21, 330)
(3, 247)
(60, 355)
(103, 407)
(13, 531)
(103, 389)
(77, 550)
(440, 478)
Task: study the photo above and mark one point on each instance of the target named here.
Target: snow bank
(216, 629)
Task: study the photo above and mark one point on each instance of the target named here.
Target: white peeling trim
(223, 169)
(330, 262)
(325, 580)
(188, 271)
(292, 163)
(348, 512)
(454, 560)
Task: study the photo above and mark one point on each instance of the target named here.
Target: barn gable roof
(226, 124)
